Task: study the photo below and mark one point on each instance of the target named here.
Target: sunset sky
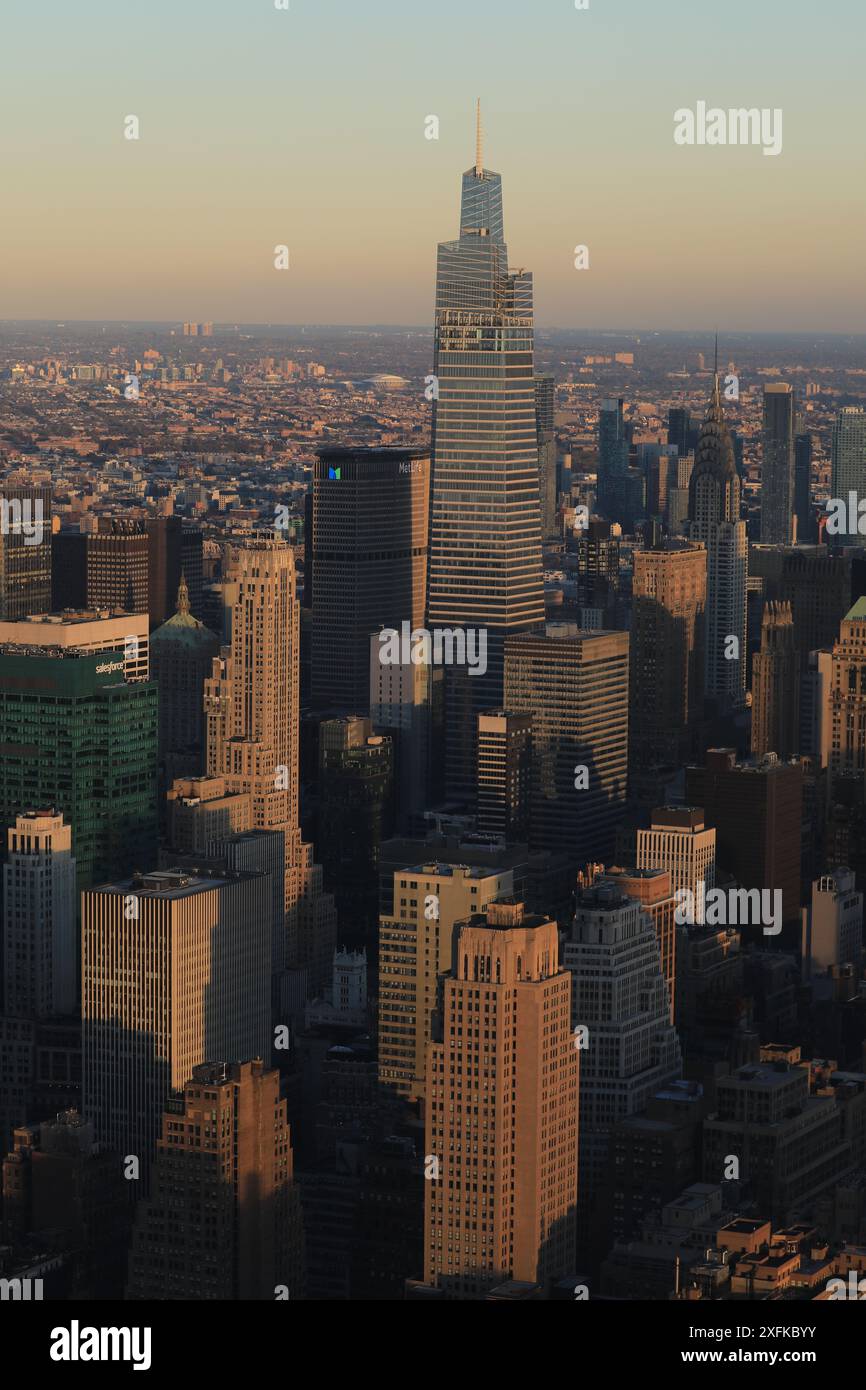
(306, 127)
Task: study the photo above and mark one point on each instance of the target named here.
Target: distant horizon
(238, 325)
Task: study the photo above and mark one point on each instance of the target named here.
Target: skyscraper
(88, 631)
(776, 685)
(777, 467)
(679, 841)
(76, 736)
(174, 552)
(182, 653)
(40, 942)
(680, 431)
(807, 527)
(574, 683)
(613, 474)
(176, 970)
(504, 773)
(757, 812)
(619, 994)
(406, 703)
(239, 1236)
(666, 659)
(369, 561)
(502, 1110)
(356, 812)
(485, 528)
(545, 397)
(848, 456)
(415, 945)
(25, 550)
(252, 712)
(714, 520)
(845, 697)
(108, 568)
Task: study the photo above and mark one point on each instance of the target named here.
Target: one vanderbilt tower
(485, 533)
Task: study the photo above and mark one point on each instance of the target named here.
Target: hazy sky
(261, 126)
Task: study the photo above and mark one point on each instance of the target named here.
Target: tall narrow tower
(777, 466)
(485, 535)
(252, 712)
(502, 1109)
(776, 685)
(714, 520)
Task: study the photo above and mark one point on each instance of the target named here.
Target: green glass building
(76, 737)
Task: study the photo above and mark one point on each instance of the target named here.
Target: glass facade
(485, 536)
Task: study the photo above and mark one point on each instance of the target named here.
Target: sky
(305, 127)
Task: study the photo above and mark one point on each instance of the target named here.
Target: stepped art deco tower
(485, 533)
(251, 703)
(714, 520)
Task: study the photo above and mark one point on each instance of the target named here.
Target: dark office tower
(181, 657)
(173, 550)
(40, 944)
(619, 489)
(631, 1051)
(612, 441)
(68, 570)
(574, 683)
(504, 773)
(356, 812)
(107, 568)
(714, 520)
(848, 453)
(666, 660)
(598, 566)
(164, 535)
(369, 555)
(176, 968)
(223, 1220)
(25, 551)
(777, 466)
(67, 1194)
(118, 566)
(679, 428)
(545, 396)
(776, 686)
(818, 584)
(75, 736)
(807, 527)
(485, 525)
(756, 811)
(513, 1097)
(662, 468)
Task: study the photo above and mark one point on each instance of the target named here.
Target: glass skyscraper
(485, 536)
(849, 462)
(777, 469)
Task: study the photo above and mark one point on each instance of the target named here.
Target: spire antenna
(716, 359)
(479, 162)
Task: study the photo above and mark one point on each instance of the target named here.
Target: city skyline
(433, 761)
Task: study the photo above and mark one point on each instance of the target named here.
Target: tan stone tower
(502, 1110)
(252, 712)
